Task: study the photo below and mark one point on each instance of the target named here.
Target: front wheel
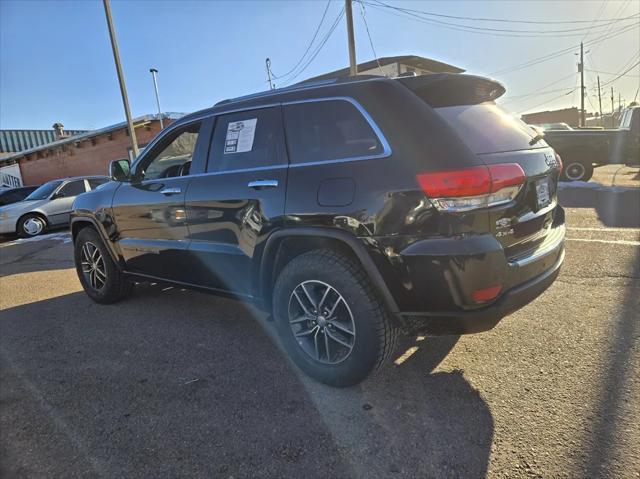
(100, 277)
(330, 320)
(31, 225)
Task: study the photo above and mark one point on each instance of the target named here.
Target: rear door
(239, 200)
(497, 137)
(59, 208)
(149, 211)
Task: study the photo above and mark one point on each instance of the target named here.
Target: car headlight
(4, 215)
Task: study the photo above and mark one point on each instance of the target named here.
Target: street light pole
(123, 88)
(154, 72)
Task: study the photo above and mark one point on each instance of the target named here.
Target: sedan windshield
(44, 191)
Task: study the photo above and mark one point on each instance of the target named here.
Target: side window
(74, 188)
(328, 130)
(173, 156)
(95, 182)
(248, 139)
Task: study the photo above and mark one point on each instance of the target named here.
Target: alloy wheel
(321, 322)
(93, 266)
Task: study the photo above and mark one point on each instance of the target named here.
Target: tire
(577, 171)
(31, 225)
(100, 277)
(360, 321)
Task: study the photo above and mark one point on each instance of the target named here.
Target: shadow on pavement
(623, 358)
(616, 206)
(174, 383)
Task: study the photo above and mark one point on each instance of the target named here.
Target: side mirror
(120, 170)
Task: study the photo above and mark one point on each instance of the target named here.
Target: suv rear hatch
(522, 215)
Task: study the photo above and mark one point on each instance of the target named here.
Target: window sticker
(240, 136)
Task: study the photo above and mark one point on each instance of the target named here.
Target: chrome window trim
(167, 131)
(386, 148)
(216, 173)
(385, 153)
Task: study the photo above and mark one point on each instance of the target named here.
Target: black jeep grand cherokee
(350, 209)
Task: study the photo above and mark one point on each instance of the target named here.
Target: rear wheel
(330, 320)
(100, 277)
(577, 171)
(31, 225)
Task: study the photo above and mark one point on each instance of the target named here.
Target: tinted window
(9, 197)
(95, 182)
(73, 188)
(487, 128)
(167, 162)
(44, 191)
(328, 130)
(248, 139)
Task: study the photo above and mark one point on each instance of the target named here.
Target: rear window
(328, 130)
(487, 128)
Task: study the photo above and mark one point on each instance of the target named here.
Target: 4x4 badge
(503, 223)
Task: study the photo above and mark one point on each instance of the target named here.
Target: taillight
(471, 188)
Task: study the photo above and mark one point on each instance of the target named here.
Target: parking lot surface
(176, 383)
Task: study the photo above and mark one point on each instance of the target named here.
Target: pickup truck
(583, 150)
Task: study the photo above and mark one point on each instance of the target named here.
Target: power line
(506, 20)
(622, 74)
(318, 48)
(538, 91)
(364, 19)
(313, 39)
(559, 53)
(546, 102)
(493, 31)
(610, 73)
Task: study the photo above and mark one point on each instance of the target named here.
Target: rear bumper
(475, 321)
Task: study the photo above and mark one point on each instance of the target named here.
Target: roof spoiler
(451, 89)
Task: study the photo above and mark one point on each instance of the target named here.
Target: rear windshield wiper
(536, 139)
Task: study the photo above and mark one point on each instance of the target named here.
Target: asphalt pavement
(173, 383)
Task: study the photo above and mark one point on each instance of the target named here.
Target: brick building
(87, 153)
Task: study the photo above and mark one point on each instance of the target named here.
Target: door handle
(261, 184)
(171, 191)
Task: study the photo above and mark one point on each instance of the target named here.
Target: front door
(232, 207)
(149, 211)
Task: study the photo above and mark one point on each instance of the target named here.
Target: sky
(56, 63)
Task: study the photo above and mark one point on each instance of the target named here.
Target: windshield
(487, 128)
(43, 192)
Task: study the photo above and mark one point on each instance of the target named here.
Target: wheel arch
(284, 245)
(78, 223)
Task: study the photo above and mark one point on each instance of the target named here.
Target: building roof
(13, 141)
(89, 134)
(423, 63)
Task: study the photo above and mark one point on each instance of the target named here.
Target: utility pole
(619, 101)
(123, 88)
(268, 63)
(353, 67)
(582, 93)
(612, 109)
(600, 101)
(154, 72)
